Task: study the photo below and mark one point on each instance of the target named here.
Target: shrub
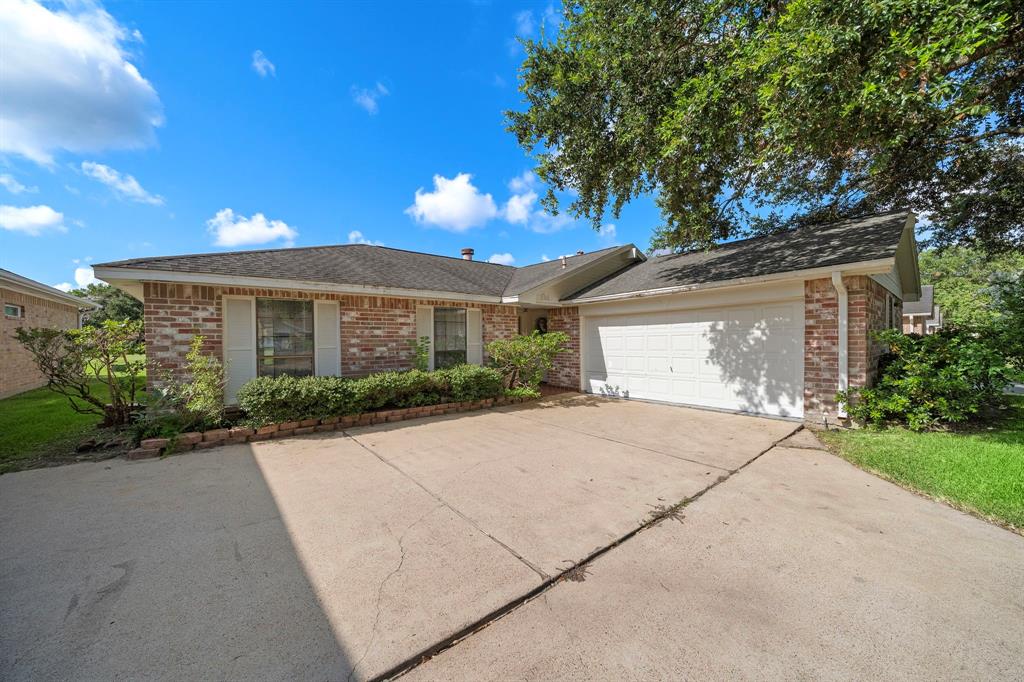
(470, 382)
(73, 359)
(523, 360)
(523, 392)
(948, 377)
(267, 401)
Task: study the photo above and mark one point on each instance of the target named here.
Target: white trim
(861, 268)
(844, 334)
(317, 370)
(147, 275)
(24, 285)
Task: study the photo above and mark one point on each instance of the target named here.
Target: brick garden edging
(195, 440)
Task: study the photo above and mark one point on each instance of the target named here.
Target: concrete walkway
(342, 556)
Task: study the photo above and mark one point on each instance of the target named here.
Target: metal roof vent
(467, 254)
(562, 258)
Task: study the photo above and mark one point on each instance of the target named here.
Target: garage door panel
(745, 357)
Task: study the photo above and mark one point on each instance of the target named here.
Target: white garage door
(747, 358)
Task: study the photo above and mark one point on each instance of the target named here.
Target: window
(284, 338)
(449, 337)
(11, 310)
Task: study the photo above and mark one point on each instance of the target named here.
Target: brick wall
(378, 333)
(566, 369)
(17, 370)
(868, 311)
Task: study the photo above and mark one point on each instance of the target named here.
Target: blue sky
(141, 129)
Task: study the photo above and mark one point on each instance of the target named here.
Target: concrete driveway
(346, 555)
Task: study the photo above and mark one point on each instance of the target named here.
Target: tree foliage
(114, 304)
(764, 114)
(523, 360)
(969, 285)
(75, 360)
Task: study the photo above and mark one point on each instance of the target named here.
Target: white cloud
(263, 66)
(525, 24)
(13, 186)
(544, 258)
(356, 237)
(84, 276)
(124, 185)
(367, 97)
(519, 209)
(231, 230)
(607, 233)
(68, 83)
(502, 259)
(32, 220)
(455, 204)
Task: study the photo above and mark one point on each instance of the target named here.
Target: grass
(980, 471)
(39, 427)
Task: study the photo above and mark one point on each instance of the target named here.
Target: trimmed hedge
(267, 400)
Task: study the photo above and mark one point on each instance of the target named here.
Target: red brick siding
(867, 303)
(18, 372)
(566, 369)
(378, 333)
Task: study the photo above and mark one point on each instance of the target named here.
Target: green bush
(267, 401)
(924, 382)
(523, 360)
(470, 382)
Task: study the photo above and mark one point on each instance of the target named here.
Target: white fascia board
(863, 268)
(24, 285)
(148, 275)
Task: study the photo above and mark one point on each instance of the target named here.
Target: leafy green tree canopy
(970, 287)
(771, 114)
(114, 304)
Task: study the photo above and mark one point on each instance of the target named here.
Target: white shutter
(425, 327)
(326, 335)
(474, 336)
(239, 345)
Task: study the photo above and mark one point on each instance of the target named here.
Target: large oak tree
(756, 115)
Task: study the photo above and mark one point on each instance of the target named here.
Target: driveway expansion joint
(574, 573)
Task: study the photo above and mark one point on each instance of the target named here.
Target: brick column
(821, 350)
(565, 372)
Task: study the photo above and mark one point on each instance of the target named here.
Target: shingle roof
(848, 241)
(366, 265)
(530, 276)
(923, 306)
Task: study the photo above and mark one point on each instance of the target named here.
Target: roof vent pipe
(580, 252)
(562, 258)
(467, 254)
(844, 325)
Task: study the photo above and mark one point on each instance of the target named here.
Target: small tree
(193, 403)
(74, 360)
(524, 359)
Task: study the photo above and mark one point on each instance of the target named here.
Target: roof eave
(120, 276)
(33, 288)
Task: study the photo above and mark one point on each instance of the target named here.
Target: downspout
(844, 354)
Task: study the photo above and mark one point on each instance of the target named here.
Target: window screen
(284, 337)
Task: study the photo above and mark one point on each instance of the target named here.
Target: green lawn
(980, 470)
(39, 426)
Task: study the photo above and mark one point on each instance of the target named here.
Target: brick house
(771, 325)
(28, 303)
(923, 316)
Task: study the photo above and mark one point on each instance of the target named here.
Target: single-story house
(923, 316)
(28, 303)
(771, 325)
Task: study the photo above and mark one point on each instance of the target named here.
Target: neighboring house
(772, 325)
(28, 303)
(923, 316)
